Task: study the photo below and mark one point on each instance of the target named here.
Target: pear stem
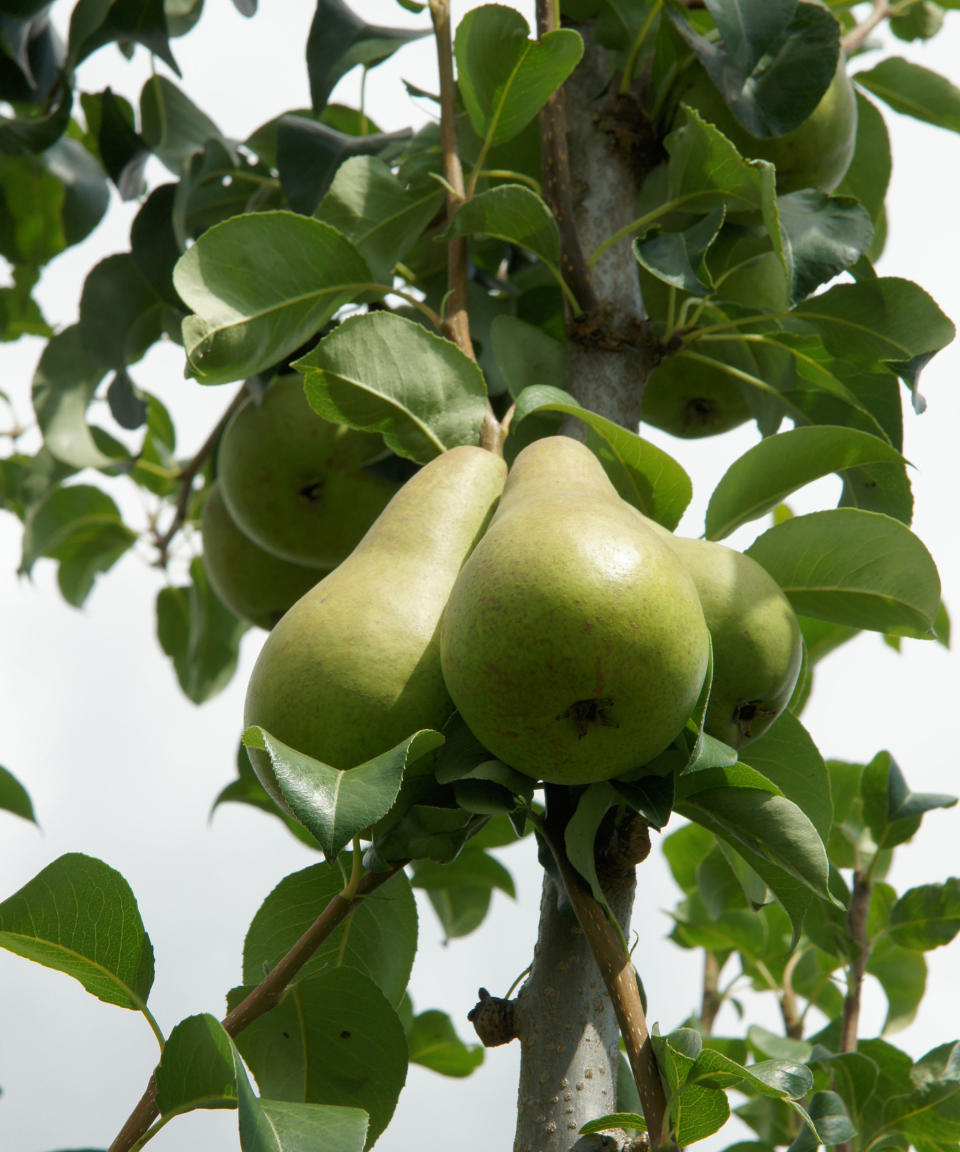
(265, 996)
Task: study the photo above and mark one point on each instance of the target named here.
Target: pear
(254, 584)
(295, 483)
(354, 667)
(757, 644)
(573, 642)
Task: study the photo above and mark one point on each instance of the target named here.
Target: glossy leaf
(379, 938)
(678, 258)
(505, 78)
(434, 1044)
(766, 474)
(337, 805)
(642, 473)
(332, 1039)
(80, 917)
(14, 797)
(751, 28)
(853, 567)
(831, 1122)
(914, 91)
(823, 235)
(383, 373)
(197, 1068)
(260, 286)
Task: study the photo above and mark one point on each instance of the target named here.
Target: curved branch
(855, 38)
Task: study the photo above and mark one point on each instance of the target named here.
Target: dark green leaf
(247, 319)
(384, 373)
(914, 91)
(197, 1068)
(580, 835)
(80, 917)
(678, 258)
(434, 1043)
(928, 916)
(123, 152)
(14, 797)
(472, 868)
(172, 126)
(869, 172)
(504, 77)
(337, 805)
(902, 973)
(36, 132)
(833, 1125)
(121, 315)
(460, 910)
(333, 1038)
(853, 567)
(94, 23)
(890, 810)
(751, 28)
(770, 471)
(65, 381)
(32, 200)
(824, 235)
(379, 938)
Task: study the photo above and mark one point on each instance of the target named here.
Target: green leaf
(200, 636)
(504, 77)
(823, 236)
(14, 797)
(678, 258)
(121, 315)
(370, 206)
(383, 373)
(471, 868)
(766, 474)
(339, 41)
(868, 176)
(333, 1038)
(642, 473)
(94, 23)
(275, 1126)
(853, 567)
(197, 1068)
(171, 124)
(80, 917)
(525, 354)
(434, 1043)
(580, 835)
(31, 228)
(460, 910)
(778, 1079)
(831, 1122)
(914, 91)
(927, 917)
(890, 810)
(261, 285)
(378, 939)
(902, 974)
(81, 527)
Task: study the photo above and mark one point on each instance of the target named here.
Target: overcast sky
(120, 765)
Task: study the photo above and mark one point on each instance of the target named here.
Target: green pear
(573, 642)
(354, 667)
(757, 644)
(254, 584)
(816, 154)
(295, 483)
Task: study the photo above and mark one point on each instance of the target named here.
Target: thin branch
(555, 165)
(856, 36)
(711, 1001)
(265, 996)
(620, 980)
(857, 925)
(187, 476)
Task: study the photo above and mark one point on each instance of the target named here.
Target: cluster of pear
(294, 495)
(571, 633)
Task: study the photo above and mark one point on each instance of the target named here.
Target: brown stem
(792, 1017)
(187, 476)
(265, 996)
(856, 36)
(555, 170)
(857, 925)
(621, 984)
(710, 1004)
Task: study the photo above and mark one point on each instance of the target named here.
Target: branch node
(494, 1020)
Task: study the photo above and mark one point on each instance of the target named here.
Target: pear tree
(462, 366)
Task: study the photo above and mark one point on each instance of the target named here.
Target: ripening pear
(254, 584)
(757, 644)
(573, 642)
(354, 667)
(296, 484)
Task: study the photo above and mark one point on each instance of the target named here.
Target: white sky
(120, 765)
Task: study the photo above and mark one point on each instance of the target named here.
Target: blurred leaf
(80, 917)
(833, 1125)
(121, 315)
(34, 132)
(94, 23)
(172, 126)
(383, 373)
(123, 151)
(200, 636)
(902, 973)
(526, 355)
(247, 320)
(333, 1038)
(471, 868)
(868, 176)
(775, 467)
(379, 939)
(505, 78)
(460, 910)
(914, 91)
(434, 1043)
(197, 1068)
(927, 916)
(14, 797)
(853, 567)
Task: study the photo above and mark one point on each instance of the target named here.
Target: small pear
(354, 667)
(757, 643)
(296, 484)
(254, 584)
(573, 642)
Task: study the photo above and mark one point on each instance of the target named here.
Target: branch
(856, 36)
(711, 1001)
(187, 476)
(621, 984)
(265, 996)
(857, 924)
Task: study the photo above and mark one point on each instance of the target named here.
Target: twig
(857, 924)
(555, 171)
(711, 1001)
(857, 35)
(620, 979)
(187, 476)
(265, 996)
